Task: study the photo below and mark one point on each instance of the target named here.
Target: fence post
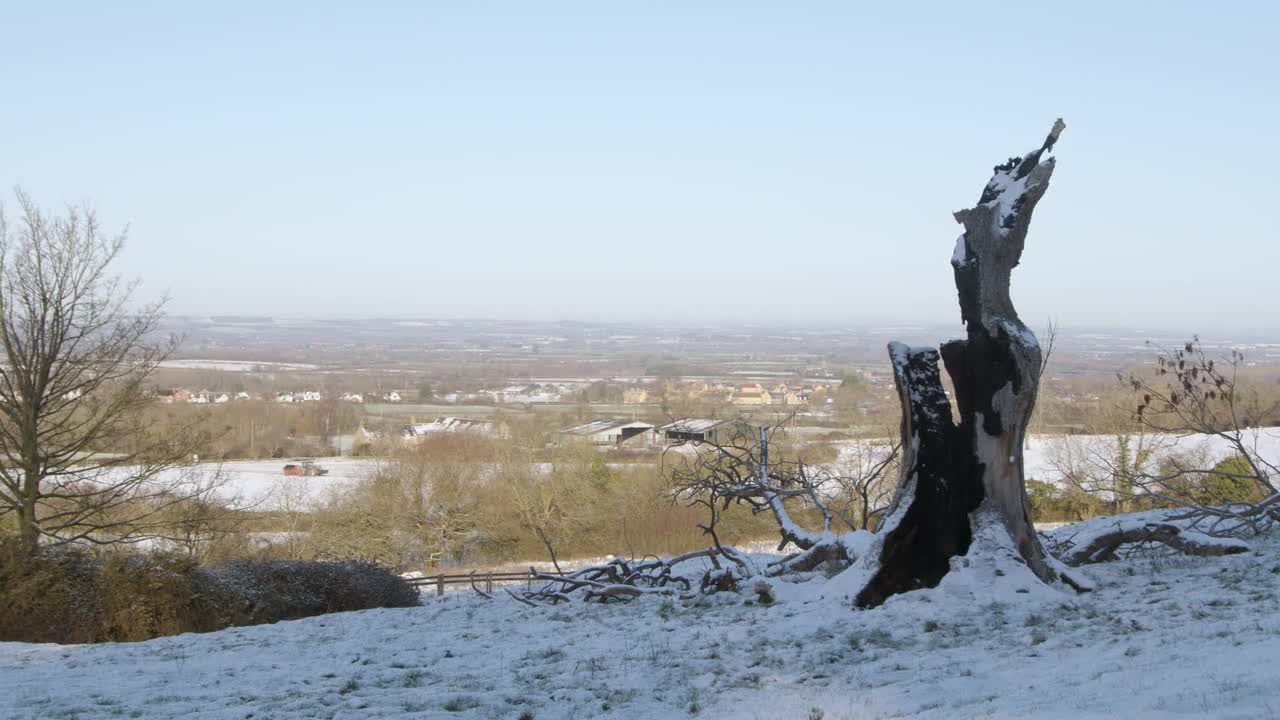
(439, 584)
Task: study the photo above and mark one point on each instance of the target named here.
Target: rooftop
(599, 426)
(692, 425)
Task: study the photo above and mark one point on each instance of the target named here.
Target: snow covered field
(1160, 637)
(236, 365)
(262, 481)
(1043, 453)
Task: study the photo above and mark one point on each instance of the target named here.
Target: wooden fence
(477, 579)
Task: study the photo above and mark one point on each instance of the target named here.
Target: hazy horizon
(686, 164)
(1217, 333)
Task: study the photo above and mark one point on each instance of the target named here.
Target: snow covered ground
(1045, 454)
(263, 482)
(1160, 637)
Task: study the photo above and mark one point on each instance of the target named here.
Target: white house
(284, 397)
(311, 396)
(242, 395)
(352, 397)
(392, 396)
(221, 398)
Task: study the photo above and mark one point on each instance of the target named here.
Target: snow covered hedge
(73, 596)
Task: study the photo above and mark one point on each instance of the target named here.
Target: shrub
(273, 590)
(1234, 483)
(73, 596)
(146, 596)
(49, 597)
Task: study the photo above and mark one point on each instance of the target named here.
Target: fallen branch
(479, 592)
(516, 597)
(623, 579)
(1102, 547)
(833, 554)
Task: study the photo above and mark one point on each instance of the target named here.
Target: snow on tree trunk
(962, 490)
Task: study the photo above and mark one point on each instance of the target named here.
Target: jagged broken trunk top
(963, 478)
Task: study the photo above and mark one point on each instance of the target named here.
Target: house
(352, 397)
(242, 395)
(311, 396)
(792, 396)
(694, 430)
(391, 397)
(414, 432)
(285, 397)
(751, 395)
(533, 394)
(697, 389)
(220, 398)
(608, 432)
(200, 398)
(364, 436)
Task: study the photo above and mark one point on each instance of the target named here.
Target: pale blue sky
(790, 162)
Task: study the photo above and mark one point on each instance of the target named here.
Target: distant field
(234, 365)
(430, 410)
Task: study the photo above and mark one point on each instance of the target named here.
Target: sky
(792, 163)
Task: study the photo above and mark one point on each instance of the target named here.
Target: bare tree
(76, 461)
(864, 478)
(207, 523)
(1110, 467)
(741, 470)
(1192, 393)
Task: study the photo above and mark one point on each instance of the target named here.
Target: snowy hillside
(1161, 637)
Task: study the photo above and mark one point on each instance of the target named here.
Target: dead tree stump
(962, 478)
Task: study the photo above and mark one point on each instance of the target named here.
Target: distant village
(612, 433)
(751, 394)
(205, 397)
(701, 404)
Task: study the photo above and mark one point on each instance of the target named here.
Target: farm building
(609, 432)
(693, 430)
(418, 431)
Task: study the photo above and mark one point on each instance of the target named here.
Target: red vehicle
(305, 468)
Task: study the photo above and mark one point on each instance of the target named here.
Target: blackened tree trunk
(964, 479)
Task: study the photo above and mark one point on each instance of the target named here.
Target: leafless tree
(865, 476)
(1191, 393)
(1111, 467)
(77, 464)
(739, 469)
(207, 523)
